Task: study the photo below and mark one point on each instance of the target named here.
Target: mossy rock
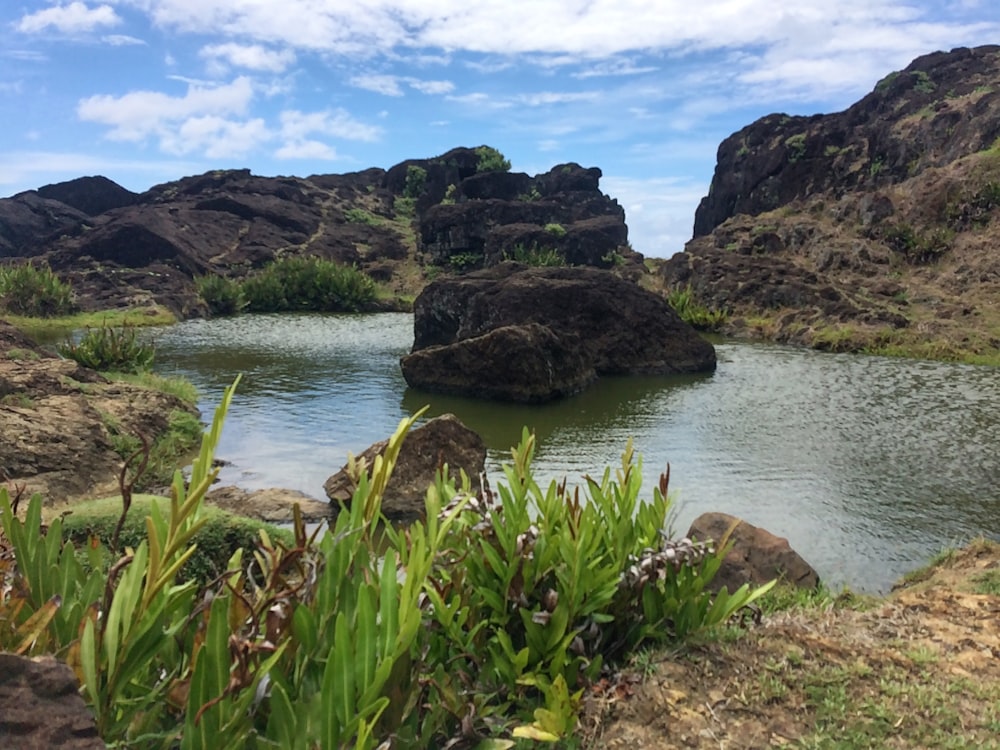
(215, 542)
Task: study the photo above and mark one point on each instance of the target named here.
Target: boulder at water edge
(443, 440)
(757, 555)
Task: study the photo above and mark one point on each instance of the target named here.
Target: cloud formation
(75, 18)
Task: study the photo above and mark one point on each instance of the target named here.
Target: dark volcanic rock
(598, 323)
(526, 363)
(439, 441)
(91, 195)
(914, 120)
(28, 220)
(41, 706)
(757, 555)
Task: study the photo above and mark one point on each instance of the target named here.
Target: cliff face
(121, 248)
(875, 227)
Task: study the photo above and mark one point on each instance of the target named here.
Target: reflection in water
(868, 465)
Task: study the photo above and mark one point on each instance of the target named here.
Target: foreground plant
(479, 626)
(35, 291)
(110, 349)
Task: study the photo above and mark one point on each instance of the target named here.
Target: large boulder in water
(526, 334)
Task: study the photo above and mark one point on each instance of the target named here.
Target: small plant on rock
(111, 349)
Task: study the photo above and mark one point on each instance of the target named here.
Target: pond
(868, 465)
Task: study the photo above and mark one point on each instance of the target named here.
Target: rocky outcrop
(867, 229)
(57, 419)
(439, 441)
(496, 215)
(41, 707)
(757, 556)
(121, 249)
(273, 505)
(532, 334)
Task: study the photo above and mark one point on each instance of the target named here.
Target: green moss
(218, 539)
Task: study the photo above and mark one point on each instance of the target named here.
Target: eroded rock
(41, 707)
(757, 556)
(442, 440)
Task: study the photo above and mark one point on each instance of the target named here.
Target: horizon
(150, 91)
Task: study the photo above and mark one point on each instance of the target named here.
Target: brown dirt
(920, 668)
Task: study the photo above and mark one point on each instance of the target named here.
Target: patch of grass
(308, 283)
(796, 145)
(987, 583)
(223, 295)
(536, 256)
(18, 400)
(180, 387)
(465, 261)
(926, 571)
(922, 82)
(693, 312)
(18, 354)
(556, 230)
(34, 291)
(110, 349)
(221, 536)
(361, 216)
(55, 329)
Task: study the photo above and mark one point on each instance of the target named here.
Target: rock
(442, 440)
(41, 707)
(525, 363)
(757, 556)
(55, 417)
(91, 195)
(272, 505)
(599, 324)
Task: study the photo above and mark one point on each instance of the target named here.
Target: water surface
(868, 465)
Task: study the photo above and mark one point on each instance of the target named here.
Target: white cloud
(659, 211)
(140, 114)
(250, 56)
(75, 18)
(121, 40)
(380, 84)
(431, 87)
(306, 150)
(338, 124)
(544, 98)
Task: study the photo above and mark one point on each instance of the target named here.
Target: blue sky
(146, 91)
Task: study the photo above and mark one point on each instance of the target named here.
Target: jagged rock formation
(533, 334)
(869, 227)
(118, 248)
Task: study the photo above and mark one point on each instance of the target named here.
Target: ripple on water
(868, 465)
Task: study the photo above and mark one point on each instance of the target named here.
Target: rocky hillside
(873, 228)
(454, 211)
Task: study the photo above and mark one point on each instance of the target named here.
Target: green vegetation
(796, 145)
(491, 160)
(307, 283)
(916, 247)
(832, 150)
(152, 465)
(34, 291)
(405, 207)
(416, 181)
(886, 82)
(215, 542)
(922, 82)
(531, 196)
(487, 620)
(449, 195)
(175, 386)
(465, 261)
(110, 349)
(16, 353)
(51, 329)
(361, 216)
(224, 296)
(536, 256)
(694, 313)
(556, 230)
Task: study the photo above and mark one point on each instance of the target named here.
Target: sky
(148, 91)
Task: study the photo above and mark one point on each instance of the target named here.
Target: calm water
(868, 465)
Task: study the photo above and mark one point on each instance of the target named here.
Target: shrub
(796, 145)
(497, 609)
(222, 295)
(361, 216)
(308, 284)
(465, 261)
(694, 313)
(491, 160)
(34, 291)
(416, 180)
(556, 230)
(536, 256)
(111, 349)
